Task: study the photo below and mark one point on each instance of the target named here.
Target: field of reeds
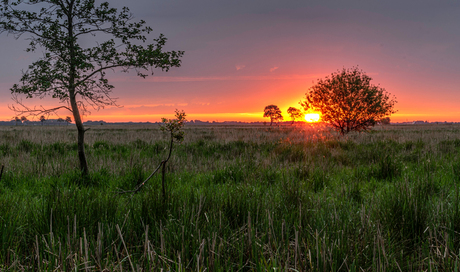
(239, 198)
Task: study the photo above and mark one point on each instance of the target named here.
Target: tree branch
(139, 186)
(35, 112)
(97, 71)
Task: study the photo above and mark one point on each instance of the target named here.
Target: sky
(242, 55)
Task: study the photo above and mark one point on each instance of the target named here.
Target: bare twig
(22, 109)
(139, 187)
(126, 249)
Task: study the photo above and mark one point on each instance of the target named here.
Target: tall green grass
(238, 198)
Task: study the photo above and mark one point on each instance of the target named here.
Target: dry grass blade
(126, 249)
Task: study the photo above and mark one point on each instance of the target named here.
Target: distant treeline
(56, 122)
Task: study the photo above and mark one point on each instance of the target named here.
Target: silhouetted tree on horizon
(274, 113)
(348, 101)
(68, 120)
(295, 114)
(42, 119)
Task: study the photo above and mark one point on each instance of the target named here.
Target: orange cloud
(239, 67)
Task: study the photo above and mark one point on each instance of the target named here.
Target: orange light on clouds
(312, 117)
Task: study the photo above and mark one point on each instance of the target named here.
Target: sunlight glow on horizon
(312, 117)
(231, 116)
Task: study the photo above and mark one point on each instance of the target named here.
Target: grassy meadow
(239, 198)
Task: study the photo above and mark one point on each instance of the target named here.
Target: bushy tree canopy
(68, 68)
(294, 113)
(274, 113)
(348, 101)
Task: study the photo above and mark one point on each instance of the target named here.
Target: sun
(312, 117)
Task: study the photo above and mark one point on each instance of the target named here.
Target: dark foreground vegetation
(238, 199)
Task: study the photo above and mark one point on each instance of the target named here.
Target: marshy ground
(238, 198)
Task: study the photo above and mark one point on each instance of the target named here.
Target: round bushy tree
(348, 101)
(273, 112)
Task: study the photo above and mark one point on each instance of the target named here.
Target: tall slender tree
(71, 72)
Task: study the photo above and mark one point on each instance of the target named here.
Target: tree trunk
(81, 152)
(81, 135)
(81, 146)
(72, 95)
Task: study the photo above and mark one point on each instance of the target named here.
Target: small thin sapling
(174, 127)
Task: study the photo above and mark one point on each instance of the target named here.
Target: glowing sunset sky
(242, 55)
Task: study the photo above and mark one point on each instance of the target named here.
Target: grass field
(238, 199)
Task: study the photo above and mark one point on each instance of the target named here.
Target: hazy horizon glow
(312, 117)
(136, 114)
